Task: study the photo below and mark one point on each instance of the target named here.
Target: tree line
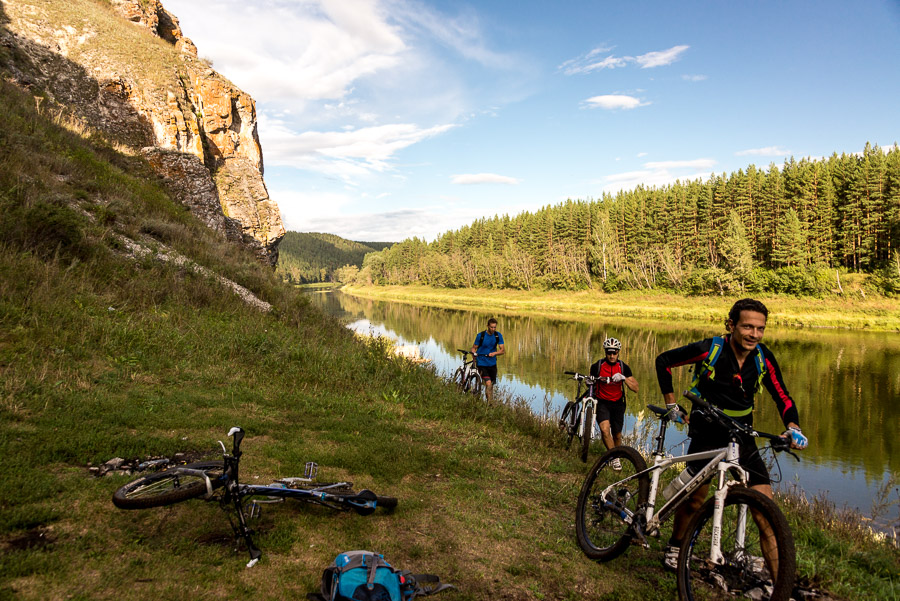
(306, 258)
(807, 227)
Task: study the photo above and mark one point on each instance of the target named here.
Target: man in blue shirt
(488, 345)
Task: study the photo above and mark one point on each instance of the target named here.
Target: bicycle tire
(568, 419)
(587, 428)
(744, 572)
(459, 379)
(477, 385)
(167, 487)
(600, 527)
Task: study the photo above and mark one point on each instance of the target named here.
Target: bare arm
(631, 383)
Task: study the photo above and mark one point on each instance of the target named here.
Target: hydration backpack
(366, 576)
(480, 338)
(708, 370)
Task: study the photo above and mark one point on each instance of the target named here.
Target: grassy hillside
(105, 355)
(307, 257)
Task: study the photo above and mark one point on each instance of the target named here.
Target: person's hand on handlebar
(798, 440)
(616, 378)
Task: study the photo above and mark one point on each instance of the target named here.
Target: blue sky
(386, 119)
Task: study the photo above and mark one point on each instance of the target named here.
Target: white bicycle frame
(720, 460)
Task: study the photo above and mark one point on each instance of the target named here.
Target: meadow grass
(871, 313)
(103, 355)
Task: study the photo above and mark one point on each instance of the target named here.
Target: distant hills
(309, 257)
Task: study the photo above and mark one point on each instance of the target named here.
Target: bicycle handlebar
(776, 441)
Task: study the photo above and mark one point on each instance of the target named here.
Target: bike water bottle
(678, 483)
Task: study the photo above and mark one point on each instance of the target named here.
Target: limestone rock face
(129, 72)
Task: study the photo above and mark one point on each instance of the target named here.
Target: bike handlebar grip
(569, 373)
(695, 399)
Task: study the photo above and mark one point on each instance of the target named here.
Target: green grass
(872, 313)
(102, 356)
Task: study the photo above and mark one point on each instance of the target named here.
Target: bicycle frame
(722, 461)
(235, 493)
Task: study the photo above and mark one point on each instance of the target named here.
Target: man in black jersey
(742, 364)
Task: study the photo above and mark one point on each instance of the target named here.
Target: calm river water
(846, 383)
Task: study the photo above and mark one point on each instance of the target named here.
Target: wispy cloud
(661, 57)
(658, 173)
(694, 77)
(768, 151)
(483, 178)
(590, 62)
(344, 154)
(692, 164)
(615, 101)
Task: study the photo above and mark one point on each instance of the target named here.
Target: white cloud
(660, 58)
(694, 77)
(344, 154)
(483, 178)
(641, 154)
(694, 164)
(615, 101)
(311, 50)
(588, 62)
(768, 151)
(658, 173)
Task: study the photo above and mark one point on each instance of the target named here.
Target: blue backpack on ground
(366, 576)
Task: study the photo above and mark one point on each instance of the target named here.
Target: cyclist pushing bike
(612, 375)
(728, 371)
(487, 347)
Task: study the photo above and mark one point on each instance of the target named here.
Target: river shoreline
(871, 314)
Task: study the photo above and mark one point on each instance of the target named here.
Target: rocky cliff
(123, 67)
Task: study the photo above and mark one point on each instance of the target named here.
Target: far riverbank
(875, 314)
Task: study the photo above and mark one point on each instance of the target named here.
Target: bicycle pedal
(254, 511)
(312, 470)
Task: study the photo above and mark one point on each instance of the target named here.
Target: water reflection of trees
(847, 384)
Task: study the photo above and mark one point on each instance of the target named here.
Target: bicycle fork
(241, 530)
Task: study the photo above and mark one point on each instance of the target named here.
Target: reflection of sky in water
(844, 483)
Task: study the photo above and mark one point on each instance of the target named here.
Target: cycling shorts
(613, 412)
(488, 372)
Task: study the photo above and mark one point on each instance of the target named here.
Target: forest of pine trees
(798, 229)
(305, 258)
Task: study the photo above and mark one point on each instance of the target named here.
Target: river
(846, 383)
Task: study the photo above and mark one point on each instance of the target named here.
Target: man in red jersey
(612, 376)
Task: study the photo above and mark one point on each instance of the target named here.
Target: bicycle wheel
(603, 534)
(473, 384)
(167, 487)
(478, 385)
(743, 571)
(567, 421)
(587, 429)
(459, 378)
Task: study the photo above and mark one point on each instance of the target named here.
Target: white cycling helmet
(612, 344)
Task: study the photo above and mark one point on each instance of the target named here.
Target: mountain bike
(579, 416)
(722, 549)
(218, 480)
(466, 377)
